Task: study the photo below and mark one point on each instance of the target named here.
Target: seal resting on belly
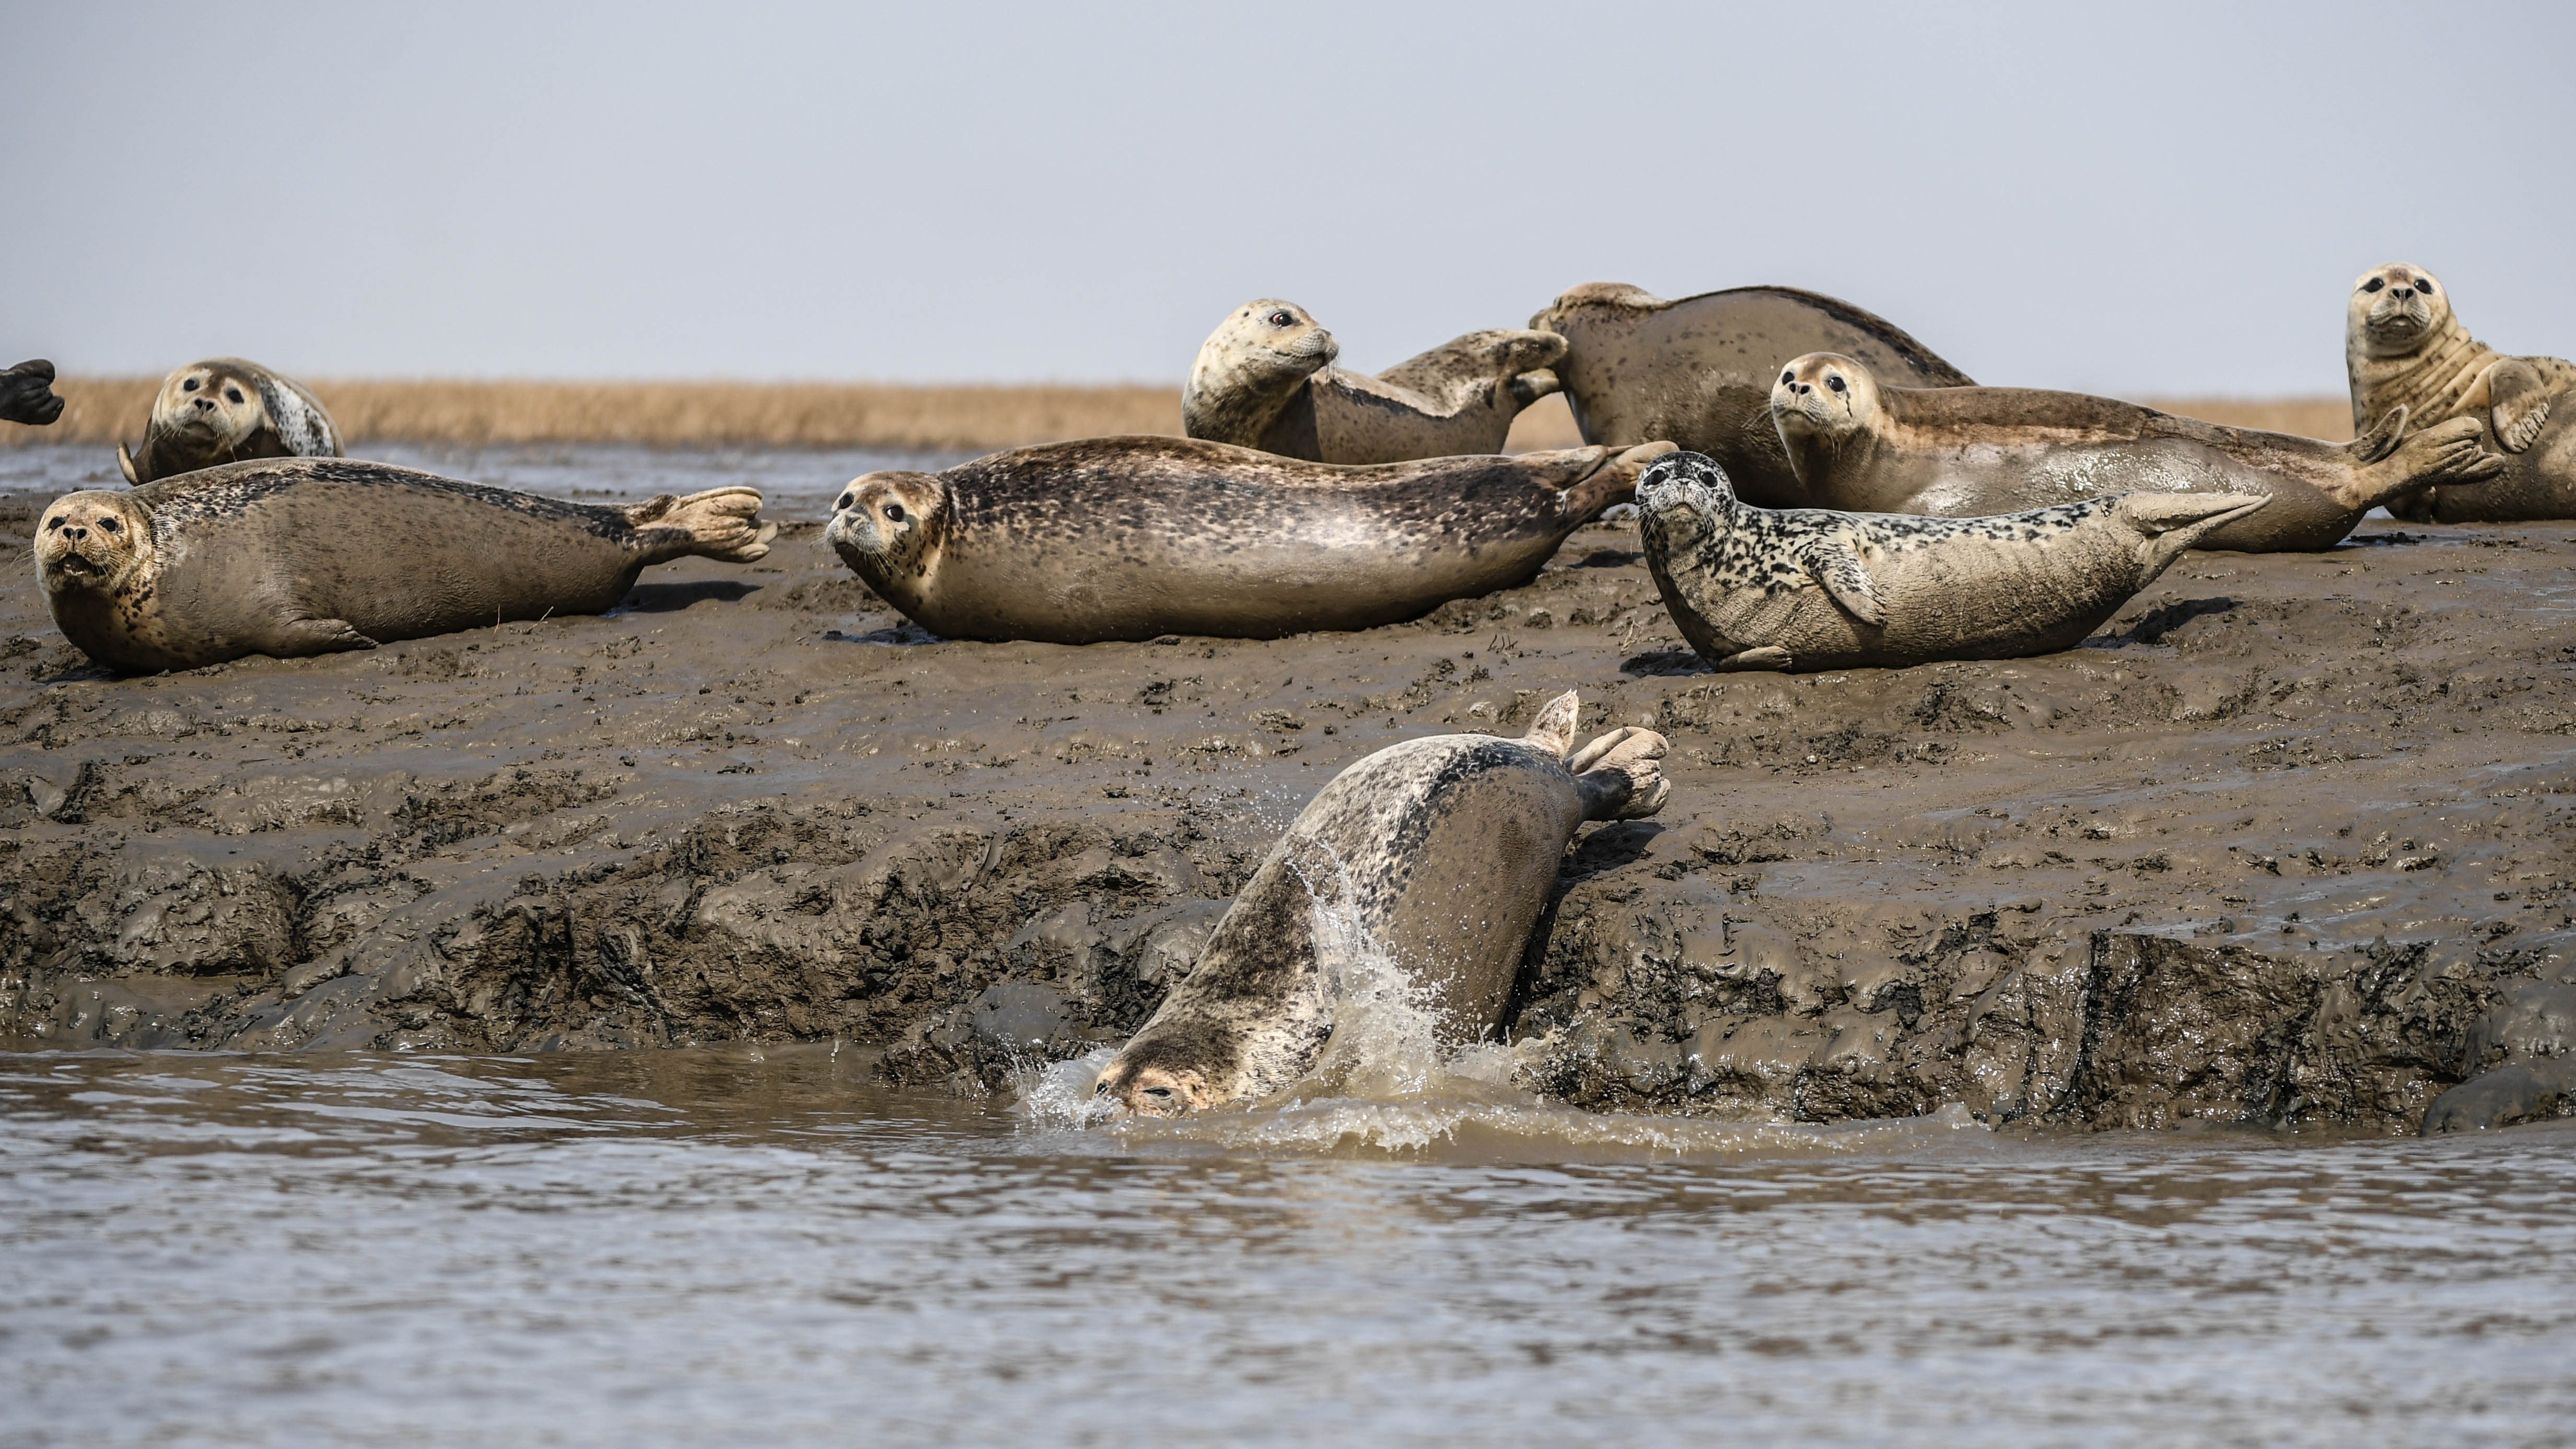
(1265, 379)
(1133, 538)
(312, 555)
(1970, 452)
(1437, 854)
(225, 410)
(1697, 371)
(1807, 588)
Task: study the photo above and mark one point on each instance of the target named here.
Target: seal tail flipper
(1553, 730)
(1615, 481)
(1621, 775)
(2173, 522)
(125, 465)
(1530, 386)
(2450, 453)
(2382, 439)
(721, 523)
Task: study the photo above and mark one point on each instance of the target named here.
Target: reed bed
(107, 410)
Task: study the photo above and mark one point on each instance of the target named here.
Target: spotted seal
(312, 555)
(2405, 347)
(1137, 537)
(225, 410)
(1435, 855)
(1698, 370)
(27, 394)
(1265, 379)
(1964, 452)
(1810, 588)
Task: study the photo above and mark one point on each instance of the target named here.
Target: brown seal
(1810, 588)
(313, 555)
(1133, 538)
(2405, 347)
(225, 410)
(27, 394)
(1265, 379)
(1697, 371)
(1429, 861)
(1967, 452)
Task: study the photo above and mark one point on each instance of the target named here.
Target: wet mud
(2287, 842)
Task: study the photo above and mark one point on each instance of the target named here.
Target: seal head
(1252, 367)
(92, 542)
(226, 410)
(2395, 310)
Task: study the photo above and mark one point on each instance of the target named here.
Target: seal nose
(1802, 388)
(206, 404)
(75, 533)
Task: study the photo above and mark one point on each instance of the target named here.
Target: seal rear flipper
(1529, 387)
(1621, 774)
(1614, 482)
(2383, 437)
(299, 637)
(2172, 522)
(1553, 730)
(2518, 403)
(2453, 452)
(720, 523)
(1846, 578)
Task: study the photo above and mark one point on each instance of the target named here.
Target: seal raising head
(1435, 857)
(1827, 398)
(225, 410)
(894, 519)
(1251, 368)
(2395, 310)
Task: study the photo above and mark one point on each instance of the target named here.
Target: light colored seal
(1265, 379)
(27, 394)
(1435, 856)
(313, 555)
(1966, 452)
(1133, 538)
(1698, 371)
(1809, 588)
(225, 410)
(2405, 347)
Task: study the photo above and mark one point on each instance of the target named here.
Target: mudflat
(2287, 841)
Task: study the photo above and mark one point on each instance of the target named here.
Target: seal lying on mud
(1698, 371)
(312, 555)
(225, 410)
(1131, 538)
(27, 394)
(1804, 588)
(1963, 452)
(2405, 347)
(1437, 855)
(1265, 379)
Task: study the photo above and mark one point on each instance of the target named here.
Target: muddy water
(730, 1246)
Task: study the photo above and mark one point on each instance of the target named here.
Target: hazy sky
(2141, 199)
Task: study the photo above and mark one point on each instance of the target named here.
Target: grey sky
(2143, 199)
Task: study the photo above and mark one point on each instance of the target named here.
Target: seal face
(2405, 348)
(1134, 538)
(258, 558)
(224, 410)
(1436, 855)
(27, 394)
(1808, 588)
(1697, 371)
(1265, 379)
(1854, 442)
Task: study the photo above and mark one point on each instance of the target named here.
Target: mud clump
(2288, 841)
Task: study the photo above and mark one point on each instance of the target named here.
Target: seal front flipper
(2518, 403)
(297, 637)
(125, 465)
(1834, 565)
(1769, 656)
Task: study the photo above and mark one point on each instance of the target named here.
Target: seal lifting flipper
(1621, 774)
(721, 523)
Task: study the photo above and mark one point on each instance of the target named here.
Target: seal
(1810, 588)
(1960, 452)
(1138, 537)
(2405, 347)
(313, 555)
(224, 410)
(1434, 856)
(27, 394)
(1697, 371)
(1265, 379)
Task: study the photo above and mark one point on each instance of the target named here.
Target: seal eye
(1158, 1092)
(1788, 377)
(894, 513)
(189, 386)
(111, 525)
(1280, 319)
(2373, 285)
(53, 523)
(1834, 381)
(233, 393)
(846, 500)
(2424, 285)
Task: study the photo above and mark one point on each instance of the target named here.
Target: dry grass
(851, 415)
